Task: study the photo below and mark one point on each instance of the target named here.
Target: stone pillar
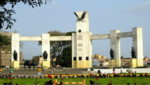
(137, 39)
(90, 50)
(15, 46)
(83, 45)
(115, 46)
(46, 47)
(74, 57)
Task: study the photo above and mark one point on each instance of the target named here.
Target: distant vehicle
(148, 63)
(7, 66)
(29, 64)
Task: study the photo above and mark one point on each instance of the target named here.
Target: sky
(104, 15)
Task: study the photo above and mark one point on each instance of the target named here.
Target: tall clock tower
(81, 42)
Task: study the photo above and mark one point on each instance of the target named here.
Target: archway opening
(31, 53)
(61, 54)
(126, 47)
(100, 53)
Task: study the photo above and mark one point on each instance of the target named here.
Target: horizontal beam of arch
(30, 38)
(69, 38)
(124, 34)
(107, 36)
(100, 36)
(60, 38)
(52, 38)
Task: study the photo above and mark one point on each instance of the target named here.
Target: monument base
(46, 64)
(140, 63)
(118, 63)
(84, 64)
(87, 64)
(133, 63)
(112, 63)
(74, 64)
(16, 65)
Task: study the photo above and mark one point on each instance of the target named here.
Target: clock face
(79, 30)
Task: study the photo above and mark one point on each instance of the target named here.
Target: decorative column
(74, 57)
(46, 50)
(15, 53)
(137, 39)
(82, 43)
(115, 46)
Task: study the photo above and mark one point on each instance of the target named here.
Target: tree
(66, 57)
(5, 42)
(122, 57)
(6, 14)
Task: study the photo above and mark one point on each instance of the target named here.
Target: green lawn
(104, 81)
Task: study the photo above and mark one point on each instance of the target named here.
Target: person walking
(121, 70)
(39, 71)
(99, 71)
(53, 70)
(114, 70)
(1, 70)
(11, 70)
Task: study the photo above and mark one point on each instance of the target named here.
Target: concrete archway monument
(82, 45)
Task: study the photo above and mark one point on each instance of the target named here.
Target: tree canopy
(66, 59)
(5, 42)
(6, 13)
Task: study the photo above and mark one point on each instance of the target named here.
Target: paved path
(57, 71)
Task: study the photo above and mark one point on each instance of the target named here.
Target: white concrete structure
(115, 46)
(82, 46)
(15, 45)
(137, 37)
(124, 70)
(82, 43)
(46, 48)
(45, 38)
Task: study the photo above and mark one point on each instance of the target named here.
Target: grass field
(103, 81)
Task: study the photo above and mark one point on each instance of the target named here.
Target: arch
(82, 44)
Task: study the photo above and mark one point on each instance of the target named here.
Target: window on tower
(87, 58)
(74, 58)
(80, 58)
(79, 31)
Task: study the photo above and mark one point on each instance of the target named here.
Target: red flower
(129, 72)
(145, 73)
(97, 78)
(10, 78)
(49, 76)
(114, 72)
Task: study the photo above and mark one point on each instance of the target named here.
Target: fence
(82, 83)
